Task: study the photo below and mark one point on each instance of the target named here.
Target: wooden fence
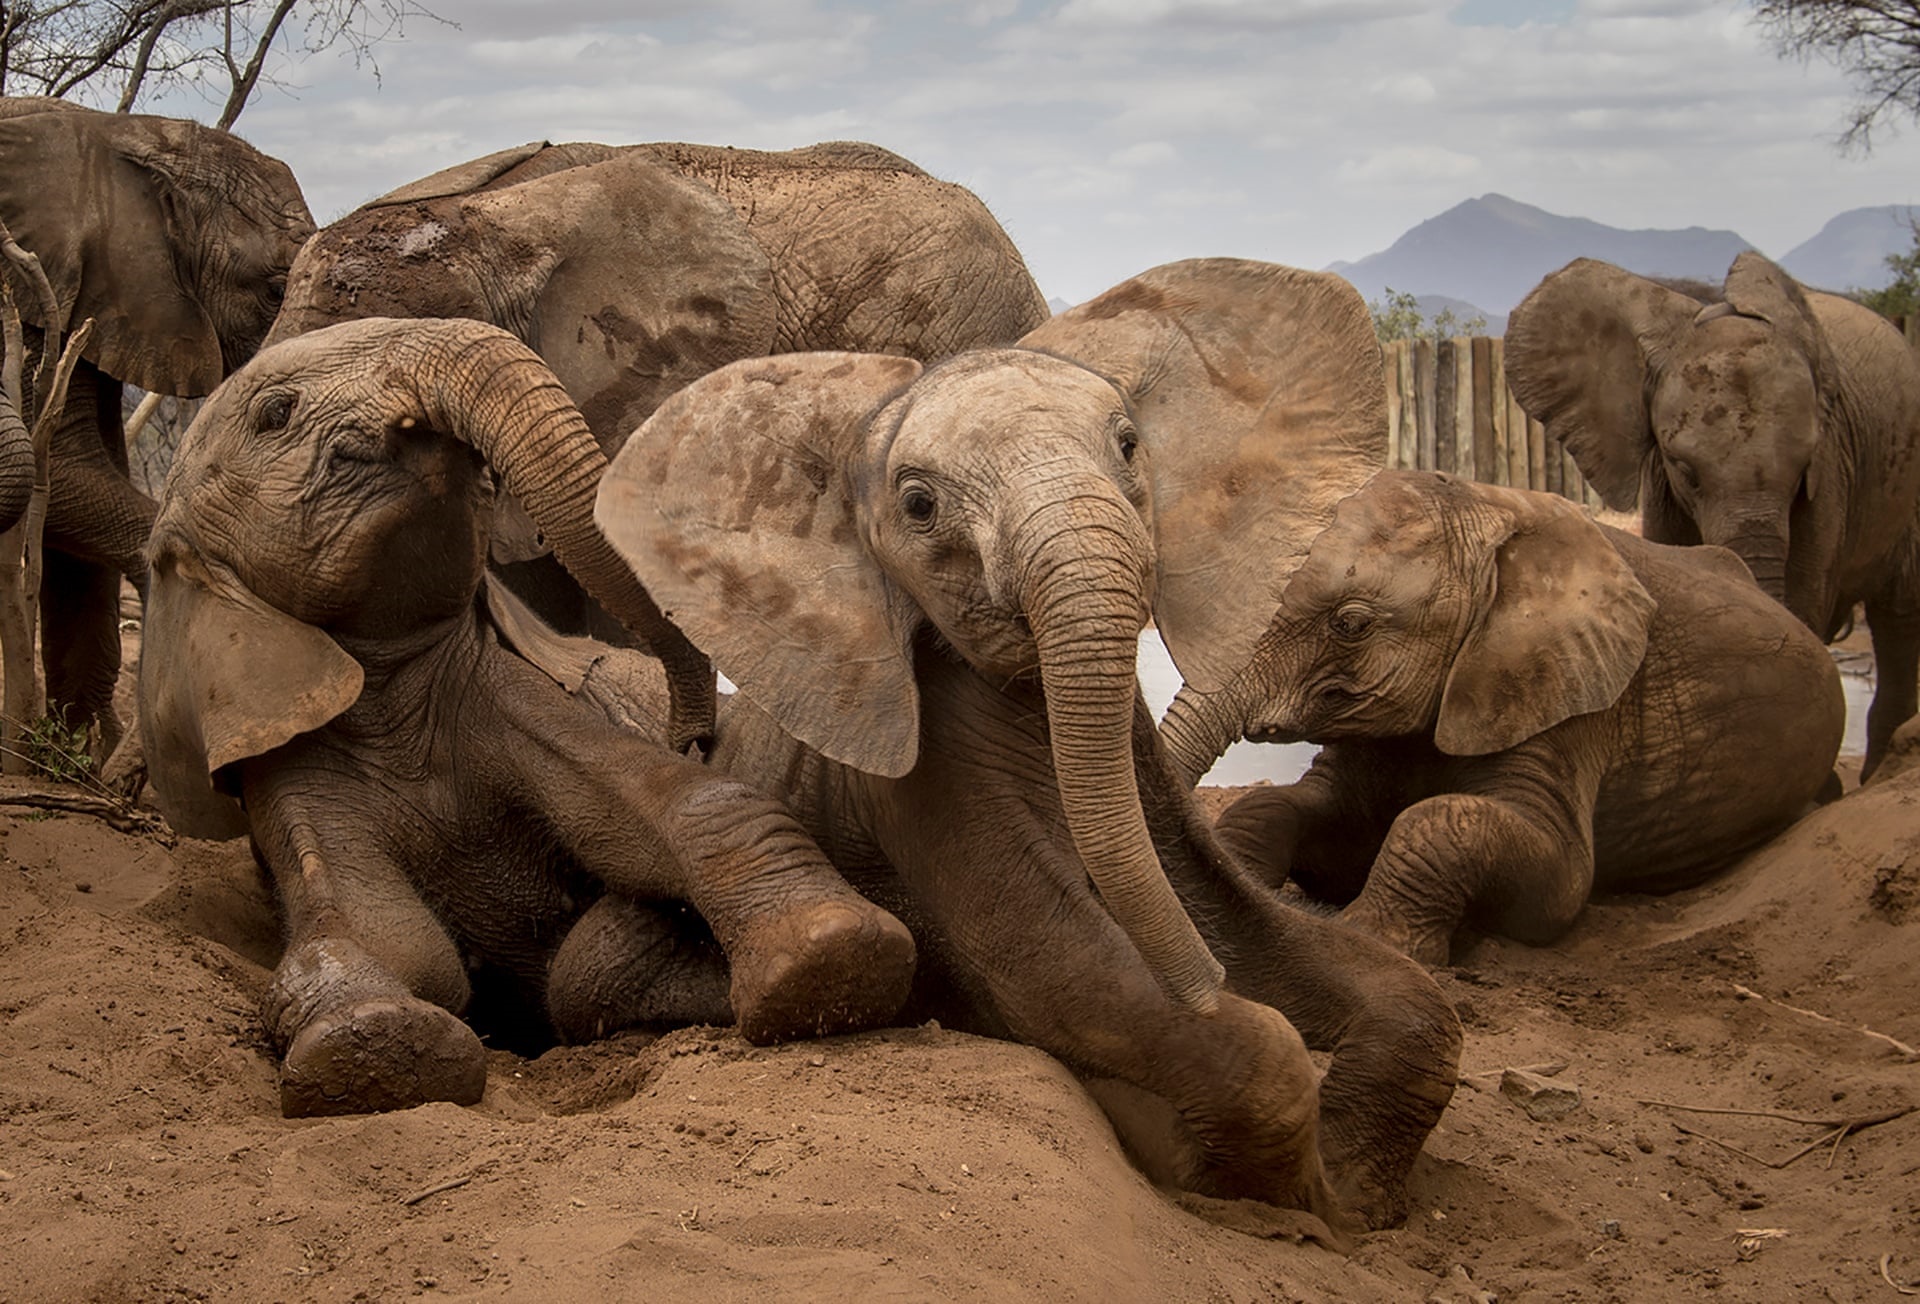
(1449, 409)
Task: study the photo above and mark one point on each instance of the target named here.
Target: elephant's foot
(356, 1040)
(379, 1054)
(817, 969)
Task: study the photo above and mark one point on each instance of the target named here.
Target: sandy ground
(142, 1156)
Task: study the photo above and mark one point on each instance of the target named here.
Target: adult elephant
(1782, 423)
(431, 807)
(1518, 705)
(930, 588)
(634, 270)
(176, 239)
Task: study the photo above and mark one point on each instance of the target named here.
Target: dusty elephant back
(1725, 735)
(872, 255)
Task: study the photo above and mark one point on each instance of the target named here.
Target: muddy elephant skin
(176, 240)
(930, 588)
(1518, 706)
(320, 648)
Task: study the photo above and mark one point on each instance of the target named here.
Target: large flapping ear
(1758, 287)
(224, 677)
(1561, 629)
(653, 282)
(75, 193)
(1579, 351)
(732, 506)
(1258, 394)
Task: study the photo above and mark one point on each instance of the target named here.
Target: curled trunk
(1085, 606)
(486, 388)
(1199, 727)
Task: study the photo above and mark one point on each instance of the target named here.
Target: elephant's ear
(79, 190)
(1258, 394)
(1579, 351)
(732, 505)
(648, 281)
(224, 677)
(1561, 630)
(1758, 287)
(461, 178)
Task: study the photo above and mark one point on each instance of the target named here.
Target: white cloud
(1148, 153)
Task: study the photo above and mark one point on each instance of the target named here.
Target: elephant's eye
(1129, 441)
(273, 413)
(916, 500)
(1350, 621)
(1684, 475)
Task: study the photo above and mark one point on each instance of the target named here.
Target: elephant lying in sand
(1782, 423)
(429, 804)
(633, 270)
(175, 239)
(930, 587)
(1518, 705)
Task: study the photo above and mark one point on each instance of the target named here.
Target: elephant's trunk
(1765, 553)
(479, 384)
(1085, 599)
(1199, 727)
(16, 465)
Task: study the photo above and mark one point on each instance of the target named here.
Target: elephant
(928, 585)
(325, 672)
(1781, 423)
(176, 239)
(633, 270)
(1517, 706)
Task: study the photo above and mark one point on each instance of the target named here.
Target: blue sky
(1111, 135)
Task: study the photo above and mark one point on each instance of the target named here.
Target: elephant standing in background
(1783, 424)
(1518, 705)
(634, 270)
(930, 588)
(436, 812)
(176, 239)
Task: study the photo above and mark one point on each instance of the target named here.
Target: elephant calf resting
(428, 803)
(1518, 705)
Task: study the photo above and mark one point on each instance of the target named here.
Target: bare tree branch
(1875, 42)
(117, 52)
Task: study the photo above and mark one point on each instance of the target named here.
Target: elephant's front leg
(363, 1004)
(1321, 831)
(1893, 616)
(1020, 924)
(1514, 866)
(809, 955)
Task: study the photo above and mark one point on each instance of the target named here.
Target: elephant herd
(442, 573)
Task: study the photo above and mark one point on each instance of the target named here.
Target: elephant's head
(174, 237)
(1434, 606)
(628, 278)
(333, 494)
(1167, 449)
(1714, 413)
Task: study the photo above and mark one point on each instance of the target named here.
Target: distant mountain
(1057, 305)
(1490, 251)
(1850, 253)
(1432, 305)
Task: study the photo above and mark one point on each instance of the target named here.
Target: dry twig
(1747, 993)
(1887, 1276)
(1837, 1129)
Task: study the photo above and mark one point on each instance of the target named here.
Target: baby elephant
(1518, 704)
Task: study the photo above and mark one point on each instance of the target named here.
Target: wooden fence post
(1488, 464)
(1423, 398)
(1446, 407)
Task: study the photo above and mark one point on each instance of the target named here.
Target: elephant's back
(872, 255)
(1727, 733)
